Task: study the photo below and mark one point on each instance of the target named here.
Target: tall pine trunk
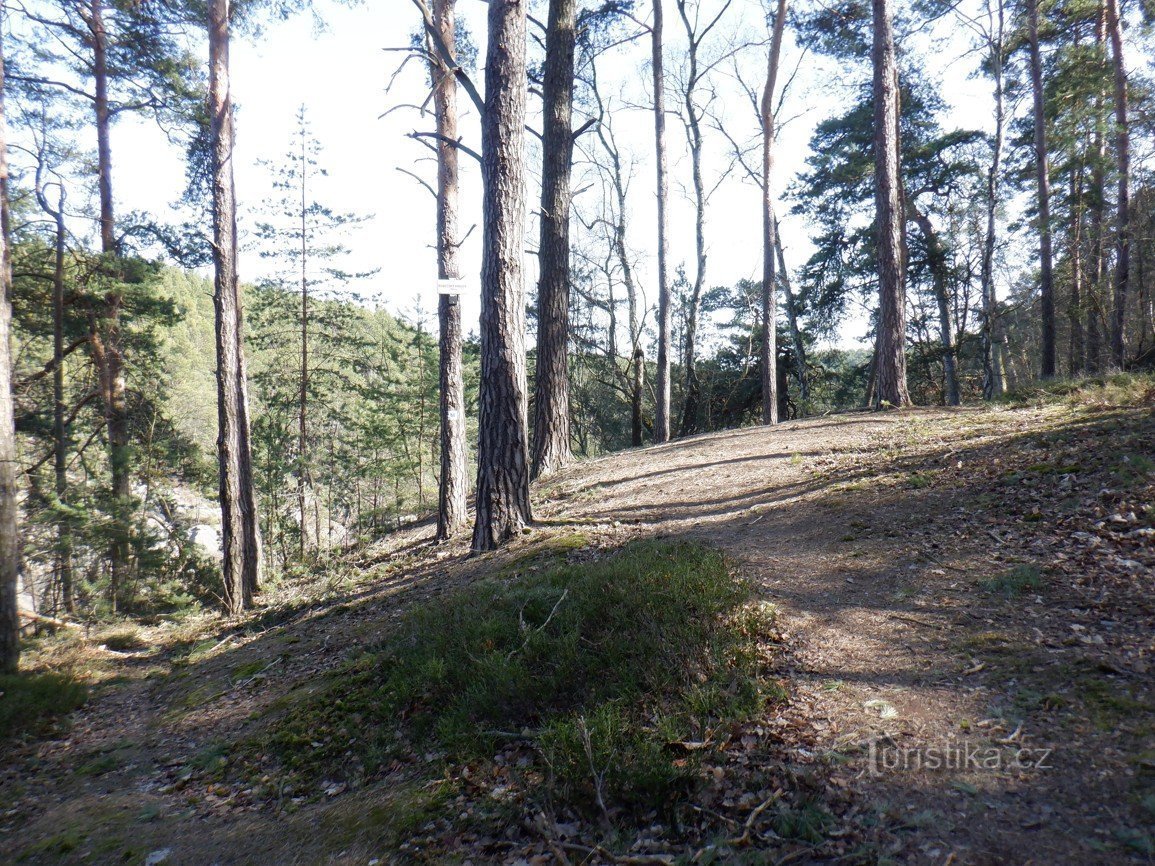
(890, 355)
(791, 318)
(665, 338)
(1123, 205)
(95, 21)
(1043, 180)
(503, 506)
(694, 139)
(993, 378)
(770, 230)
(241, 538)
(303, 474)
(59, 428)
(1076, 344)
(108, 347)
(1092, 295)
(451, 506)
(9, 506)
(551, 448)
(937, 262)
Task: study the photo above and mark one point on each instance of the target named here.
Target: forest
(698, 412)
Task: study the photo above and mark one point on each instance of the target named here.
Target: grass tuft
(124, 641)
(602, 666)
(1015, 582)
(31, 704)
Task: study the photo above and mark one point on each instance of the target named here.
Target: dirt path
(882, 538)
(870, 532)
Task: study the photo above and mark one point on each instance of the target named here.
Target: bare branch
(464, 148)
(419, 179)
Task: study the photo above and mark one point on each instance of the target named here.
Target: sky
(341, 73)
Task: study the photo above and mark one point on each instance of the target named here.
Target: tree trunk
(1042, 173)
(241, 539)
(9, 505)
(636, 397)
(608, 141)
(937, 260)
(993, 384)
(662, 384)
(792, 318)
(693, 122)
(1123, 206)
(1097, 266)
(890, 364)
(103, 124)
(303, 474)
(551, 448)
(59, 429)
(451, 507)
(502, 466)
(1076, 346)
(110, 364)
(770, 230)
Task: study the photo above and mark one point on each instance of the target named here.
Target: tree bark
(110, 360)
(503, 506)
(890, 365)
(693, 122)
(451, 493)
(1123, 201)
(792, 320)
(1076, 345)
(59, 428)
(9, 505)
(937, 261)
(608, 141)
(241, 539)
(1042, 174)
(551, 447)
(303, 475)
(103, 124)
(993, 384)
(770, 230)
(662, 384)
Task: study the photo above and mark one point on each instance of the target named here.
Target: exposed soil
(973, 584)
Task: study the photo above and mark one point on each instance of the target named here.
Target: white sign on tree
(453, 286)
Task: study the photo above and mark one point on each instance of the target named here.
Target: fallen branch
(629, 859)
(541, 627)
(923, 623)
(51, 620)
(744, 839)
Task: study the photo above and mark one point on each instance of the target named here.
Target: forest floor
(965, 648)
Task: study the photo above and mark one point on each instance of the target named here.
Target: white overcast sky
(340, 74)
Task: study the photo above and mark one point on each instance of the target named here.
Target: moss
(98, 765)
(541, 551)
(1108, 704)
(243, 672)
(64, 842)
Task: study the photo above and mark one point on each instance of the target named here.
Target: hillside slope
(966, 633)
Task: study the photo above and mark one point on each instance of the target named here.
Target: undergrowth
(31, 704)
(1108, 391)
(602, 667)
